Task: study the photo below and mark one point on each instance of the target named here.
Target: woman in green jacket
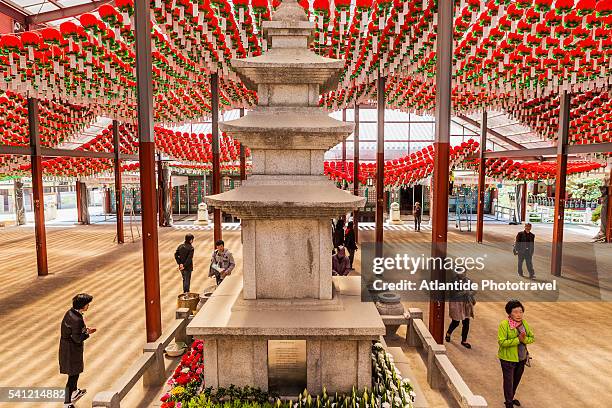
(513, 336)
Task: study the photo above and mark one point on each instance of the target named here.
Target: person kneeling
(341, 264)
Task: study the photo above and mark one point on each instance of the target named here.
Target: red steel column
(243, 175)
(356, 171)
(118, 185)
(524, 202)
(344, 143)
(609, 212)
(380, 164)
(557, 238)
(38, 197)
(146, 155)
(216, 181)
(441, 163)
(160, 192)
(481, 179)
(79, 203)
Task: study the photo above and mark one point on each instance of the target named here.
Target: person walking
(513, 335)
(184, 258)
(523, 248)
(338, 238)
(417, 212)
(461, 309)
(349, 242)
(73, 333)
(222, 262)
(340, 263)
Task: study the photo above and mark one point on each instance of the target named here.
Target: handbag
(528, 362)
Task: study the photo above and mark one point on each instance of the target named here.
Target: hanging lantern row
(58, 122)
(417, 166)
(504, 51)
(191, 147)
(404, 171)
(226, 168)
(508, 169)
(93, 64)
(590, 116)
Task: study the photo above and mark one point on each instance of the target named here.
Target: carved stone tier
(288, 129)
(282, 197)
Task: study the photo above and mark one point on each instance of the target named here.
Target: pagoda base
(241, 339)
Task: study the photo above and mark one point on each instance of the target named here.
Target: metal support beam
(524, 202)
(13, 13)
(52, 152)
(356, 171)
(243, 175)
(492, 132)
(439, 231)
(79, 201)
(538, 153)
(160, 191)
(562, 138)
(147, 169)
(82, 203)
(609, 210)
(380, 164)
(344, 143)
(65, 12)
(216, 173)
(118, 184)
(481, 179)
(523, 154)
(590, 148)
(37, 188)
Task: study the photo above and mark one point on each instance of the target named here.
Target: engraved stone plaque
(287, 366)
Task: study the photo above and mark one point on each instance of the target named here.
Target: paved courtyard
(572, 353)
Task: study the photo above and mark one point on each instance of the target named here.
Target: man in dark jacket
(73, 334)
(523, 248)
(338, 235)
(184, 259)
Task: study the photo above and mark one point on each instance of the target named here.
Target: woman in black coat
(73, 334)
(349, 241)
(338, 238)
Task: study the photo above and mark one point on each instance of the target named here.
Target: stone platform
(338, 338)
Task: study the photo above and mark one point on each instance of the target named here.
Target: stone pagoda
(285, 324)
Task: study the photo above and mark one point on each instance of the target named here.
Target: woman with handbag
(513, 336)
(461, 309)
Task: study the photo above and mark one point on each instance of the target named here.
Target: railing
(576, 203)
(150, 366)
(441, 373)
(507, 211)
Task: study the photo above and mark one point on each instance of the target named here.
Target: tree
(585, 188)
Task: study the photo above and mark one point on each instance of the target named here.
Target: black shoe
(521, 275)
(447, 338)
(516, 402)
(77, 394)
(532, 276)
(466, 344)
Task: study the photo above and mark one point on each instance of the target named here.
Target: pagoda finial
(289, 10)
